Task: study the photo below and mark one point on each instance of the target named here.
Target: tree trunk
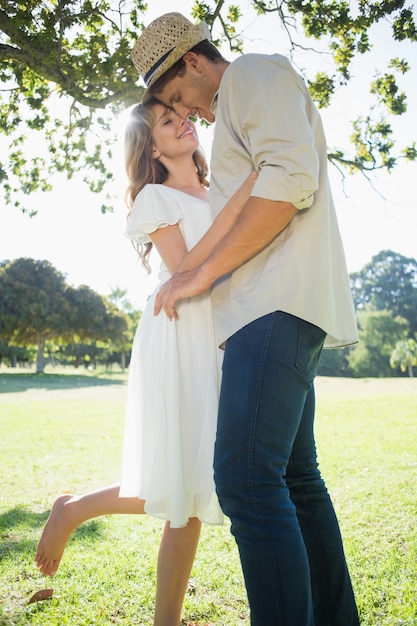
(40, 361)
(410, 371)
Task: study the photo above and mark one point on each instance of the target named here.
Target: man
(280, 290)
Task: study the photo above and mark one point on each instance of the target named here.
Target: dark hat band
(157, 64)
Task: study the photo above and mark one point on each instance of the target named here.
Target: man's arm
(223, 223)
(259, 223)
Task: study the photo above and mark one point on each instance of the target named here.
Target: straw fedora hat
(163, 43)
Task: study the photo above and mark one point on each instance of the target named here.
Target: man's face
(190, 95)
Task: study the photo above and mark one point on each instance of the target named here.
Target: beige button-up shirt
(267, 121)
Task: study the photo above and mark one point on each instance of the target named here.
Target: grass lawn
(62, 432)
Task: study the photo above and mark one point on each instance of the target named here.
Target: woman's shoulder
(154, 192)
(151, 190)
(151, 210)
(152, 195)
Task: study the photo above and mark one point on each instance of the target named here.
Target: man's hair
(205, 48)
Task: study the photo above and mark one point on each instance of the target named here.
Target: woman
(174, 373)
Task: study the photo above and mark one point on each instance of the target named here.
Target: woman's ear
(155, 153)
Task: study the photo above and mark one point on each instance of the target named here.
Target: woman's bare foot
(55, 535)
(69, 511)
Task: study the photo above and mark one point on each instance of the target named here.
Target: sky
(90, 248)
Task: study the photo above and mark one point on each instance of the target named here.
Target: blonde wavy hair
(142, 169)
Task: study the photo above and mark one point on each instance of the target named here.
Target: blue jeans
(268, 482)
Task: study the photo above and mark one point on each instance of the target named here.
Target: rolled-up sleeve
(268, 105)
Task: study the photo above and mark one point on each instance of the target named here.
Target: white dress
(174, 380)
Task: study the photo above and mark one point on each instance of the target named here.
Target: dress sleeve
(153, 208)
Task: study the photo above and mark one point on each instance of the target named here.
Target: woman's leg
(68, 512)
(176, 552)
(175, 560)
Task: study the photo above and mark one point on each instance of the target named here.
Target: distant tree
(12, 355)
(379, 331)
(334, 363)
(76, 354)
(92, 316)
(388, 282)
(118, 296)
(32, 304)
(96, 323)
(404, 355)
(66, 72)
(36, 305)
(119, 332)
(124, 346)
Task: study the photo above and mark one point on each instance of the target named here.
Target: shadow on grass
(12, 619)
(18, 522)
(13, 383)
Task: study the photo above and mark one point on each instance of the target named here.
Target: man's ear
(192, 60)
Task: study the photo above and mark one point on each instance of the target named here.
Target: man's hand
(180, 286)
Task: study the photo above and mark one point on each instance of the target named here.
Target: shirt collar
(213, 105)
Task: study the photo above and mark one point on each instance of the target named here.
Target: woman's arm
(171, 246)
(170, 243)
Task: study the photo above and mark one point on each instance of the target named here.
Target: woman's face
(173, 137)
